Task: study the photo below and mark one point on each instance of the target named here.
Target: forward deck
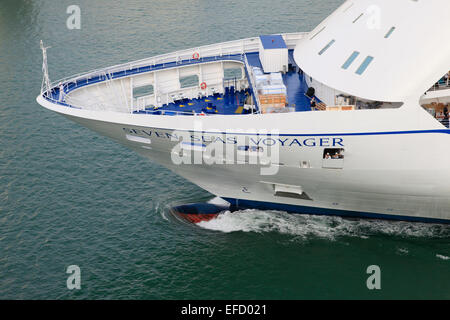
(111, 89)
(233, 101)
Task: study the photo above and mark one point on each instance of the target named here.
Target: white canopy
(383, 50)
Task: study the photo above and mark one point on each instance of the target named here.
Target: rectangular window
(327, 47)
(189, 81)
(350, 60)
(333, 153)
(143, 91)
(333, 158)
(389, 33)
(364, 65)
(232, 73)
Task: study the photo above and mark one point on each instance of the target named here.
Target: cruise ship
(349, 119)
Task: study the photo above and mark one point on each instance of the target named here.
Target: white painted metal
(218, 49)
(273, 60)
(401, 174)
(406, 64)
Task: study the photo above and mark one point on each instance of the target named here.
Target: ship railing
(97, 106)
(92, 103)
(159, 111)
(443, 121)
(251, 79)
(140, 103)
(229, 48)
(187, 93)
(442, 84)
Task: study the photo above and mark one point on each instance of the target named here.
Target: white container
(276, 79)
(273, 53)
(276, 76)
(257, 71)
(273, 89)
(262, 80)
(262, 77)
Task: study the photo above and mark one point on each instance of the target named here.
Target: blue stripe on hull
(376, 133)
(251, 204)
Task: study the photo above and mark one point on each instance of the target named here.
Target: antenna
(45, 79)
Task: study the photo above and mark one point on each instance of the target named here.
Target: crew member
(313, 103)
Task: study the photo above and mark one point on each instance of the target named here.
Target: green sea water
(71, 197)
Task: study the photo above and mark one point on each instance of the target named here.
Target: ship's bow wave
(325, 227)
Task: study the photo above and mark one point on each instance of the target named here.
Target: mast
(45, 80)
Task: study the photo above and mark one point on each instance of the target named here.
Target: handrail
(171, 112)
(208, 52)
(219, 49)
(163, 112)
(252, 82)
(442, 84)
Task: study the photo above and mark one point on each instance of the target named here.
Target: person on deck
(61, 92)
(445, 121)
(313, 103)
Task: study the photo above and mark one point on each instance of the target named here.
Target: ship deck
(229, 103)
(112, 88)
(232, 102)
(108, 89)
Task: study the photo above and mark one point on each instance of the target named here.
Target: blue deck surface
(253, 59)
(229, 103)
(296, 88)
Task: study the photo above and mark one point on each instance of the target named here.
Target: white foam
(402, 251)
(162, 212)
(440, 256)
(309, 226)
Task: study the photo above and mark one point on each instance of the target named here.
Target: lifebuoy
(196, 56)
(203, 85)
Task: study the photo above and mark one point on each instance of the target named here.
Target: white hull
(390, 168)
(395, 161)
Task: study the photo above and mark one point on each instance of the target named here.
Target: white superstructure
(358, 125)
(407, 40)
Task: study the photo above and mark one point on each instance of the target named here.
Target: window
(364, 65)
(333, 158)
(189, 81)
(142, 91)
(350, 60)
(232, 73)
(327, 47)
(388, 34)
(333, 153)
